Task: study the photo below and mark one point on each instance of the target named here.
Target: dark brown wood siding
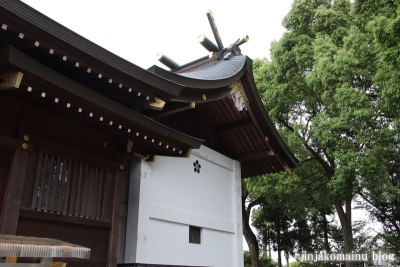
(69, 186)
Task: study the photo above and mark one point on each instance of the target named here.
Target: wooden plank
(13, 197)
(42, 181)
(90, 192)
(74, 189)
(116, 210)
(56, 148)
(11, 259)
(108, 196)
(62, 218)
(101, 195)
(37, 179)
(56, 183)
(95, 193)
(50, 178)
(61, 196)
(234, 126)
(78, 201)
(254, 155)
(69, 177)
(85, 191)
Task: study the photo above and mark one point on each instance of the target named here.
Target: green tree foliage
(264, 260)
(332, 87)
(383, 22)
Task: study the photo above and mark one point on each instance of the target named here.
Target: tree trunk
(278, 242)
(347, 230)
(326, 241)
(287, 258)
(249, 235)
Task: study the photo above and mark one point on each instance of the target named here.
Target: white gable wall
(171, 197)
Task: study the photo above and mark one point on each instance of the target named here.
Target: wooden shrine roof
(197, 96)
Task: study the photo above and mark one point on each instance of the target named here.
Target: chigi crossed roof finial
(216, 51)
(219, 51)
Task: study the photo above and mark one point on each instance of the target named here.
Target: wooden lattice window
(194, 235)
(70, 187)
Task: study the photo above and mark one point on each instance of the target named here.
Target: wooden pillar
(116, 210)
(15, 186)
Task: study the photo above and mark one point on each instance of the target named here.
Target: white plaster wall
(172, 239)
(172, 197)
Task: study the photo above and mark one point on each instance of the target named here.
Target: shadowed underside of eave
(49, 90)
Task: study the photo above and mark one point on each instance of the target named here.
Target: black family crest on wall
(196, 166)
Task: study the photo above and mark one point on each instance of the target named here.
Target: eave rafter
(51, 50)
(234, 126)
(54, 92)
(255, 155)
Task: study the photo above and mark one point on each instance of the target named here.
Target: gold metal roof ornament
(11, 80)
(238, 96)
(158, 104)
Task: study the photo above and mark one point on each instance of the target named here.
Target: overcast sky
(138, 30)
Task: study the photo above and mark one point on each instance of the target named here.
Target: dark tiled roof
(206, 74)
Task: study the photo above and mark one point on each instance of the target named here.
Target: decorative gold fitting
(271, 153)
(25, 146)
(267, 139)
(204, 97)
(26, 137)
(11, 80)
(122, 167)
(158, 104)
(160, 56)
(192, 104)
(202, 38)
(212, 55)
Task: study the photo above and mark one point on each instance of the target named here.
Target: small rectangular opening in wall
(194, 235)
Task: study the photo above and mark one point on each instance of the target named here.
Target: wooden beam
(161, 115)
(40, 215)
(255, 155)
(114, 231)
(15, 186)
(234, 126)
(11, 259)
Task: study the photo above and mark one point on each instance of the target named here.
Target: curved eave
(39, 25)
(265, 125)
(210, 77)
(68, 88)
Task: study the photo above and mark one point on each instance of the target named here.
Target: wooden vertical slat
(90, 193)
(101, 195)
(116, 203)
(78, 201)
(37, 179)
(49, 180)
(69, 177)
(15, 188)
(42, 181)
(74, 189)
(11, 259)
(95, 193)
(56, 184)
(108, 194)
(85, 191)
(61, 199)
